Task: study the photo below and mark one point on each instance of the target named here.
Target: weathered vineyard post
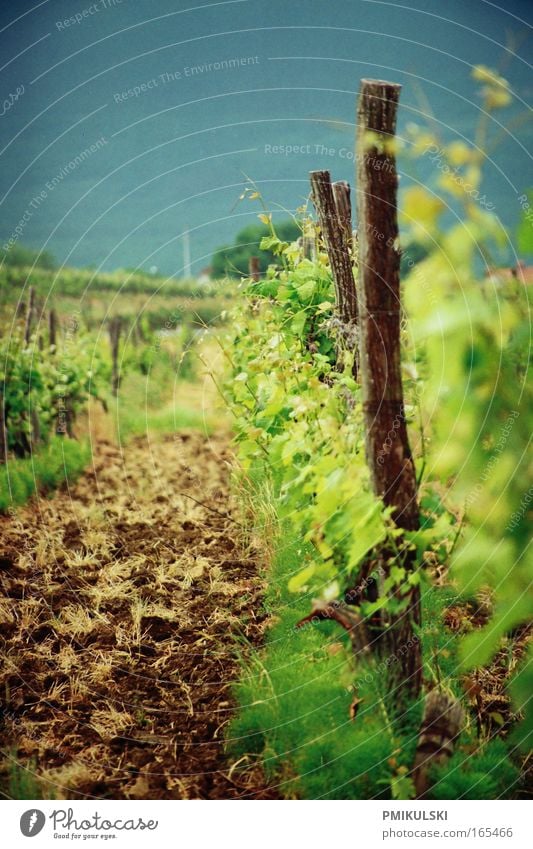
(343, 205)
(334, 215)
(3, 429)
(389, 456)
(308, 248)
(30, 314)
(115, 325)
(254, 269)
(52, 328)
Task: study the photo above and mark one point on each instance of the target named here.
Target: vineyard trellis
(369, 317)
(317, 385)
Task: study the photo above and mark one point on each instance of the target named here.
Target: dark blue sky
(173, 154)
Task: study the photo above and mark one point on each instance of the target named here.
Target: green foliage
(44, 388)
(79, 282)
(292, 406)
(299, 421)
(20, 256)
(232, 261)
(468, 401)
(22, 782)
(470, 353)
(294, 700)
(470, 346)
(60, 462)
(520, 688)
(484, 772)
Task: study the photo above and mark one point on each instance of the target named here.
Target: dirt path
(124, 601)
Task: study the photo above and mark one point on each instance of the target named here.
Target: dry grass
(120, 603)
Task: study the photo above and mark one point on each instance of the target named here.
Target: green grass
(135, 421)
(294, 697)
(161, 401)
(59, 462)
(22, 782)
(489, 775)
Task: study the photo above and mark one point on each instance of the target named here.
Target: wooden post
(3, 431)
(343, 205)
(114, 337)
(29, 316)
(34, 418)
(334, 233)
(52, 328)
(389, 456)
(308, 248)
(440, 727)
(254, 269)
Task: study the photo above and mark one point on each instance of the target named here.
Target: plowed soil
(124, 603)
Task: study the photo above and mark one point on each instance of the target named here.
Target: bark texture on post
(334, 212)
(387, 446)
(115, 326)
(343, 206)
(441, 725)
(253, 269)
(29, 316)
(35, 426)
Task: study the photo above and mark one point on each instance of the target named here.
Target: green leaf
(301, 578)
(307, 290)
(478, 648)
